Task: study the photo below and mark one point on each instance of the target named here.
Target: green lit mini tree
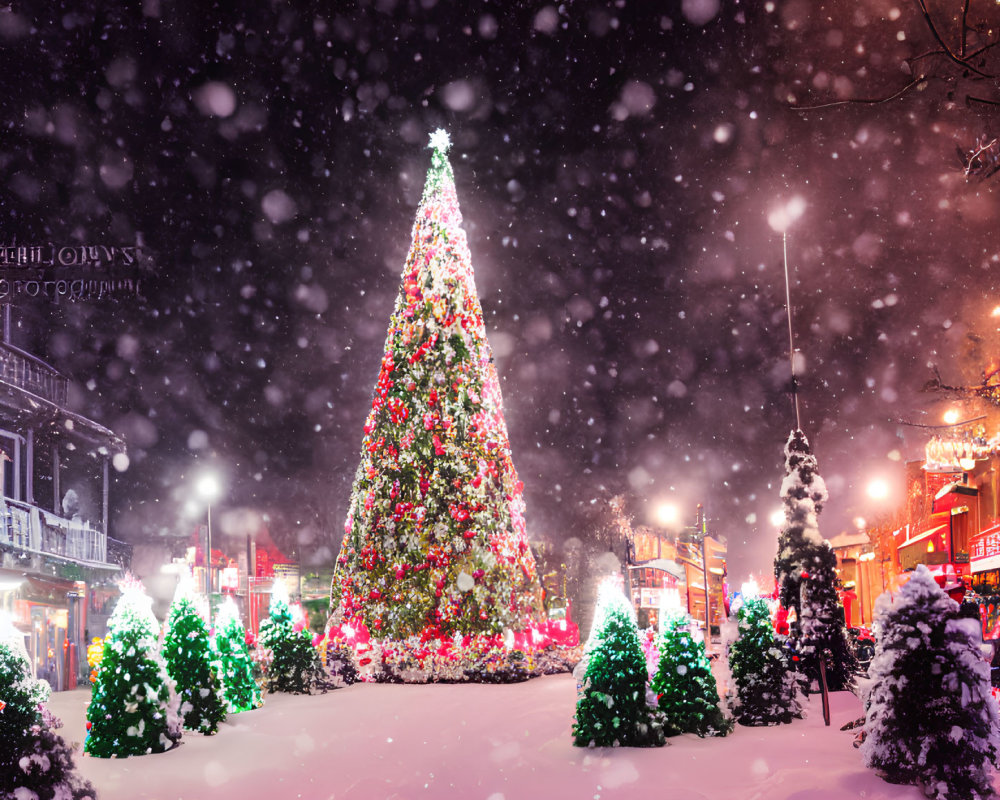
(134, 708)
(235, 665)
(766, 685)
(35, 762)
(684, 685)
(295, 665)
(191, 662)
(612, 710)
(435, 541)
(930, 718)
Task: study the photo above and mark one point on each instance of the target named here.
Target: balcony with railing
(34, 530)
(27, 372)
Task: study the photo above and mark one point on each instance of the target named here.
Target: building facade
(58, 566)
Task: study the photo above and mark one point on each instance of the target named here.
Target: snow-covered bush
(930, 719)
(35, 762)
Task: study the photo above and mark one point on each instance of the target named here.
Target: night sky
(616, 165)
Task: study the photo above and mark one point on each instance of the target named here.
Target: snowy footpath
(475, 742)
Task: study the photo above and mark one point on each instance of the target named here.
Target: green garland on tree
(133, 709)
(187, 651)
(684, 685)
(612, 709)
(35, 761)
(766, 686)
(295, 665)
(235, 665)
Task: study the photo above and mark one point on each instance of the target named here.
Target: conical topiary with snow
(821, 632)
(805, 569)
(684, 685)
(435, 542)
(803, 493)
(235, 665)
(931, 719)
(295, 666)
(133, 709)
(192, 663)
(612, 709)
(766, 686)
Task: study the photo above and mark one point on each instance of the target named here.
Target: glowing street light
(778, 518)
(666, 514)
(951, 416)
(878, 489)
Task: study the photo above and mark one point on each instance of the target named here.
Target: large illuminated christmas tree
(435, 540)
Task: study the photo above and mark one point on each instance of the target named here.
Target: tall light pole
(779, 220)
(209, 489)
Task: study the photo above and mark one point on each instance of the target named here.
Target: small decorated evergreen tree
(803, 493)
(187, 651)
(612, 709)
(822, 633)
(235, 666)
(766, 687)
(35, 762)
(684, 684)
(805, 569)
(295, 666)
(134, 709)
(930, 720)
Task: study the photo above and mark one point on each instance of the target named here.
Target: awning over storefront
(665, 565)
(925, 534)
(952, 496)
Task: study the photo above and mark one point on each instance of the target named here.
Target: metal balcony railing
(31, 528)
(27, 372)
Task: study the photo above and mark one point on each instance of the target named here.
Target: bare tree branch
(864, 101)
(947, 50)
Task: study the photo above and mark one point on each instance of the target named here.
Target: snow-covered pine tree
(822, 632)
(191, 662)
(930, 719)
(295, 665)
(803, 493)
(805, 571)
(765, 684)
(612, 709)
(133, 709)
(684, 685)
(35, 762)
(235, 665)
(435, 542)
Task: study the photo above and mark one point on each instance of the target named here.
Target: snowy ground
(476, 742)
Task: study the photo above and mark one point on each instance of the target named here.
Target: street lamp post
(209, 489)
(779, 220)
